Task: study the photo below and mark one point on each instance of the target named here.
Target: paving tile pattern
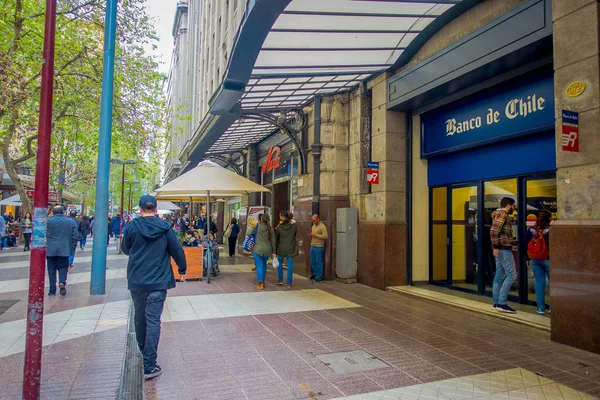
(274, 356)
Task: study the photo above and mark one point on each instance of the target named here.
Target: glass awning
(323, 47)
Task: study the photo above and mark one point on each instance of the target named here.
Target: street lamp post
(130, 186)
(122, 216)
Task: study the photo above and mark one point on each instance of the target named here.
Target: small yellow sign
(575, 89)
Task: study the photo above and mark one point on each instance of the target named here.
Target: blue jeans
(541, 270)
(261, 267)
(83, 241)
(72, 256)
(316, 262)
(505, 276)
(290, 268)
(60, 265)
(148, 306)
(4, 242)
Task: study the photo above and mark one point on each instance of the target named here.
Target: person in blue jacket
(116, 225)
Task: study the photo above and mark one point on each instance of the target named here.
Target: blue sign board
(570, 117)
(372, 165)
(521, 107)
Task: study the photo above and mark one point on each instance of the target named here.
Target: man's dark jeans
(60, 264)
(148, 307)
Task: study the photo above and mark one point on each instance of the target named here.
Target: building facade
(491, 99)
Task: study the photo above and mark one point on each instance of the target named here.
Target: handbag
(227, 233)
(249, 242)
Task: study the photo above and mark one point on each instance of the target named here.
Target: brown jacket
(319, 240)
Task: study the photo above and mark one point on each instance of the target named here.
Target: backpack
(537, 249)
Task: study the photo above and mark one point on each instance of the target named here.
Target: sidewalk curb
(132, 375)
(489, 315)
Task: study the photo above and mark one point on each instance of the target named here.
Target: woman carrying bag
(264, 248)
(287, 247)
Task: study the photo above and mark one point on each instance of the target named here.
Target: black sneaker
(62, 289)
(495, 306)
(156, 371)
(505, 309)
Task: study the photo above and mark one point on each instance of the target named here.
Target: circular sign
(575, 89)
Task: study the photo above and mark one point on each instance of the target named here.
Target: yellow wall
(420, 209)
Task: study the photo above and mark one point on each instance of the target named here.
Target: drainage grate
(132, 376)
(6, 304)
(351, 361)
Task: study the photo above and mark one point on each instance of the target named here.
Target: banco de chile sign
(504, 112)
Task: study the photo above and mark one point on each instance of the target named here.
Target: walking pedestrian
(264, 247)
(27, 229)
(287, 247)
(319, 235)
(504, 243)
(84, 230)
(61, 240)
(116, 225)
(231, 233)
(538, 256)
(150, 243)
(77, 221)
(2, 233)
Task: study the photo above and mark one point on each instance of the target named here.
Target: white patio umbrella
(11, 201)
(208, 177)
(164, 206)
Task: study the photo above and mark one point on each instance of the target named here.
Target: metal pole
(122, 202)
(32, 370)
(129, 208)
(98, 279)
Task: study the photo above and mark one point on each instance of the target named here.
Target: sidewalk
(226, 340)
(84, 336)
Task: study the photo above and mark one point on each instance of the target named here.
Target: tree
(138, 129)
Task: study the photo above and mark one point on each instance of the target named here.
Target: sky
(163, 11)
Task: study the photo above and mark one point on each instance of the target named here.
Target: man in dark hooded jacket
(150, 243)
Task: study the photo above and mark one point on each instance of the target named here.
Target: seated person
(193, 240)
(11, 238)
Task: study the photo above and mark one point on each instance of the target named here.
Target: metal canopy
(310, 47)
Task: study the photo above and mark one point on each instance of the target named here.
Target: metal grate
(132, 377)
(351, 361)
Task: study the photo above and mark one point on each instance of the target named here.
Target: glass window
(495, 191)
(540, 195)
(439, 234)
(464, 237)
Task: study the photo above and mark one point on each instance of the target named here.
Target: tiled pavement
(226, 340)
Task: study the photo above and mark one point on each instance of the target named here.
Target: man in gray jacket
(61, 240)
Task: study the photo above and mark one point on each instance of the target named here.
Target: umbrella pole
(207, 214)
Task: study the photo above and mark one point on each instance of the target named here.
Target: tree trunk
(11, 166)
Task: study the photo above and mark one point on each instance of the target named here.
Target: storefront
(279, 173)
(496, 143)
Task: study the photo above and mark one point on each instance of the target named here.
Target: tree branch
(30, 152)
(71, 11)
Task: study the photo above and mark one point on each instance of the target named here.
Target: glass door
(495, 191)
(464, 237)
(540, 195)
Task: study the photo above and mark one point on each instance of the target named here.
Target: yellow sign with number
(575, 89)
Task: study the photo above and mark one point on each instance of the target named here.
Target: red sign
(52, 196)
(570, 131)
(373, 177)
(273, 159)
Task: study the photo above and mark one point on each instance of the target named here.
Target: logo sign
(570, 131)
(372, 173)
(518, 108)
(273, 159)
(52, 196)
(575, 89)
(373, 177)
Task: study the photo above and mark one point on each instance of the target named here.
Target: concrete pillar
(575, 238)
